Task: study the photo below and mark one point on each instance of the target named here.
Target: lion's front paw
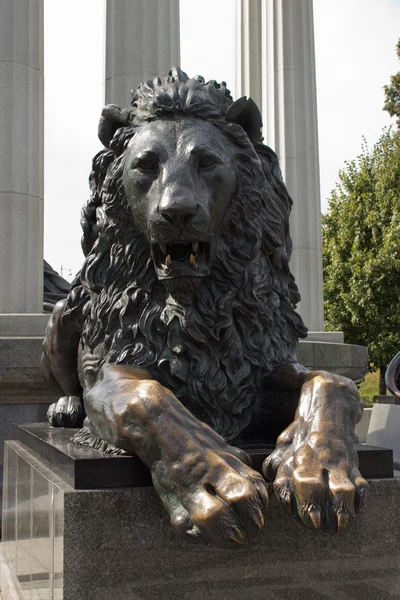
(318, 481)
(68, 411)
(214, 496)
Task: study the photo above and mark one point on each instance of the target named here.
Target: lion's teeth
(163, 248)
(192, 260)
(168, 260)
(195, 246)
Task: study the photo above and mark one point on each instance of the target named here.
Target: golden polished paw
(214, 496)
(319, 482)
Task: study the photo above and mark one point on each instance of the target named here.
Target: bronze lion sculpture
(177, 341)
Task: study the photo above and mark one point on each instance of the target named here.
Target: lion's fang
(168, 260)
(195, 246)
(192, 260)
(163, 248)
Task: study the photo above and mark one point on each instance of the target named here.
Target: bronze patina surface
(177, 341)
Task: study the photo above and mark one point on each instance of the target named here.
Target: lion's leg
(59, 368)
(317, 478)
(207, 489)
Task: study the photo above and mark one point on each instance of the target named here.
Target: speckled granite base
(66, 544)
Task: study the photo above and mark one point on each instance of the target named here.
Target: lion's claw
(183, 525)
(362, 492)
(68, 411)
(315, 515)
(224, 506)
(317, 481)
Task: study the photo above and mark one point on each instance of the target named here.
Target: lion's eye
(206, 162)
(146, 165)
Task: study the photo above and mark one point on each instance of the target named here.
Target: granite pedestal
(115, 543)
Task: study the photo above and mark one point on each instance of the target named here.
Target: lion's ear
(245, 112)
(112, 118)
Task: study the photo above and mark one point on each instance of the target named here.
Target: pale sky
(355, 56)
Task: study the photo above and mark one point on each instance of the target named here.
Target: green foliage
(369, 388)
(361, 251)
(392, 94)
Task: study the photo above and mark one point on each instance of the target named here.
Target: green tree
(392, 94)
(361, 252)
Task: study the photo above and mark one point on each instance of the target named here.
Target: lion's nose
(177, 210)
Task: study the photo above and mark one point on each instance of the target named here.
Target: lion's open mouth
(180, 259)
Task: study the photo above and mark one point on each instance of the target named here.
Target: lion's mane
(215, 352)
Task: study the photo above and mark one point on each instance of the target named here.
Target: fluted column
(142, 42)
(288, 102)
(21, 162)
(248, 50)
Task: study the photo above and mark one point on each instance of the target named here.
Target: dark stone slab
(388, 400)
(84, 468)
(375, 462)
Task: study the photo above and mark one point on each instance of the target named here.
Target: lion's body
(215, 351)
(181, 326)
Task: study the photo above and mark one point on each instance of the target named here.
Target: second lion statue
(178, 339)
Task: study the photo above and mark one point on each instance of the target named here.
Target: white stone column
(21, 162)
(248, 50)
(142, 42)
(277, 40)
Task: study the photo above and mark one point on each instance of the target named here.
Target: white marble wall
(275, 66)
(142, 42)
(21, 149)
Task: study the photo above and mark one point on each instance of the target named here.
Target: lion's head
(187, 242)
